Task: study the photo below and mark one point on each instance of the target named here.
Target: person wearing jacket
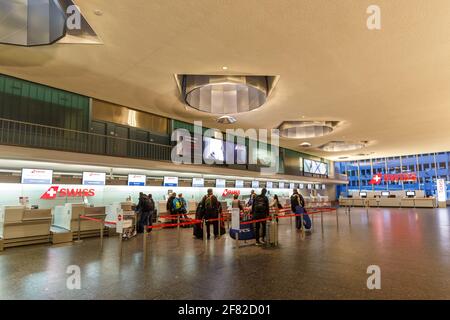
(298, 207)
(211, 207)
(260, 210)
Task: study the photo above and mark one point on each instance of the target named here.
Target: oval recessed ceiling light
(224, 94)
(306, 129)
(224, 68)
(98, 12)
(226, 120)
(338, 146)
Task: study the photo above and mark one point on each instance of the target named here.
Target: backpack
(259, 204)
(209, 203)
(145, 205)
(177, 205)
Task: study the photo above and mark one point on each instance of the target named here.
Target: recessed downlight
(305, 144)
(226, 120)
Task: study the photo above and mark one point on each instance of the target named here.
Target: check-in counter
(407, 202)
(358, 202)
(20, 226)
(425, 202)
(66, 220)
(390, 202)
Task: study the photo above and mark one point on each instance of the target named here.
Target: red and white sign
(228, 192)
(377, 178)
(55, 191)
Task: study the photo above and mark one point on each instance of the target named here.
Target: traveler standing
(252, 197)
(276, 205)
(236, 203)
(211, 207)
(260, 210)
(152, 211)
(145, 214)
(169, 206)
(138, 211)
(298, 207)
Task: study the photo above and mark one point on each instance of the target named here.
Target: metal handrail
(83, 132)
(21, 133)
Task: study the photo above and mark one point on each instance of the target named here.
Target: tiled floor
(411, 246)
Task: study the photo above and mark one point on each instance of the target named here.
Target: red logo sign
(55, 191)
(376, 179)
(227, 192)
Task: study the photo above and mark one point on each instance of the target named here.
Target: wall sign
(228, 192)
(56, 192)
(387, 177)
(441, 190)
(198, 182)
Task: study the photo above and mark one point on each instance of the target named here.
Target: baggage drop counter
(66, 221)
(21, 226)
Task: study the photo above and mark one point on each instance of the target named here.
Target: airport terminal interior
(224, 150)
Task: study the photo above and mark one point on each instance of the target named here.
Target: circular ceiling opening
(338, 146)
(225, 94)
(306, 129)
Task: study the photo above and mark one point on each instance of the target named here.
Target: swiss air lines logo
(397, 177)
(55, 191)
(228, 192)
(376, 179)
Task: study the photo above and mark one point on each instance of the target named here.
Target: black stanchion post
(178, 230)
(144, 244)
(102, 226)
(321, 220)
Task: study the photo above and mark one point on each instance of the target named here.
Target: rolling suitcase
(306, 219)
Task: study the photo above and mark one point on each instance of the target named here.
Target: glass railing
(24, 134)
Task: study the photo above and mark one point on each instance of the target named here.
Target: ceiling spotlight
(224, 68)
(226, 120)
(305, 144)
(98, 12)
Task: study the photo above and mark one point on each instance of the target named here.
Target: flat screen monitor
(309, 187)
(301, 186)
(291, 185)
(363, 194)
(239, 184)
(410, 194)
(37, 176)
(255, 184)
(137, 180)
(317, 186)
(170, 181)
(220, 183)
(94, 178)
(213, 149)
(198, 182)
(281, 185)
(324, 187)
(385, 193)
(269, 184)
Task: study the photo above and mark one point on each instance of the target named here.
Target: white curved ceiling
(388, 86)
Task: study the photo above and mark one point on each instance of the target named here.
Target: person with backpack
(260, 210)
(169, 206)
(211, 207)
(145, 214)
(298, 207)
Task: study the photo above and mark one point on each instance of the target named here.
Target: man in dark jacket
(152, 211)
(298, 207)
(145, 213)
(211, 207)
(260, 210)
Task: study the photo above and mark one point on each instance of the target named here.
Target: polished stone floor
(411, 247)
